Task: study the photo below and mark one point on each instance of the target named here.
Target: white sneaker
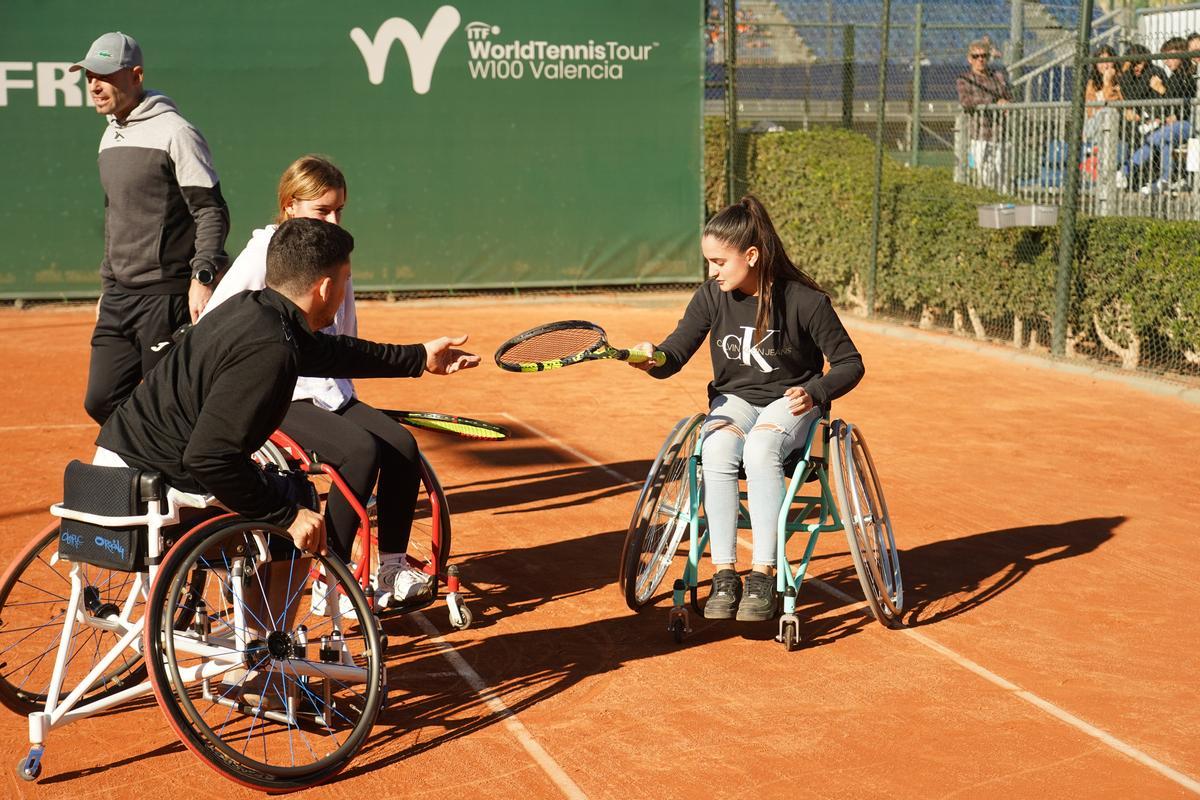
(320, 600)
(404, 582)
(1154, 187)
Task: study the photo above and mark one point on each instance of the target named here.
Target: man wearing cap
(165, 223)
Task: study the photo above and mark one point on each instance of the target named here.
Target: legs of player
(776, 433)
(724, 439)
(737, 432)
(365, 444)
(395, 500)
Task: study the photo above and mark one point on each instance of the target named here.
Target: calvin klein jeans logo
(744, 349)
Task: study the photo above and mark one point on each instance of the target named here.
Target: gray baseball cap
(110, 53)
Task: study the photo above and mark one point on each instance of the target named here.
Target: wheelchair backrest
(108, 492)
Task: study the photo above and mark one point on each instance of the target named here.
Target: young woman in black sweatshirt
(770, 329)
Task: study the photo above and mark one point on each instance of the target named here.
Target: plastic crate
(997, 215)
(1037, 215)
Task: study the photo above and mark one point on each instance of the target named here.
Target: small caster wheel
(460, 615)
(677, 630)
(29, 769)
(791, 637)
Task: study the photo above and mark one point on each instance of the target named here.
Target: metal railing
(1048, 80)
(1137, 159)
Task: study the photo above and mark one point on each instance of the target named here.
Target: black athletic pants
(363, 443)
(133, 331)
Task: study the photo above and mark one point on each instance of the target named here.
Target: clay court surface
(1048, 532)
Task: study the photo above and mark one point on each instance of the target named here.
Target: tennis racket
(561, 344)
(460, 426)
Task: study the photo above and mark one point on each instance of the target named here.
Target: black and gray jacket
(757, 367)
(164, 215)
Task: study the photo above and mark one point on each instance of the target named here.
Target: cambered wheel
(868, 526)
(661, 516)
(25, 773)
(462, 618)
(34, 593)
(265, 691)
(791, 636)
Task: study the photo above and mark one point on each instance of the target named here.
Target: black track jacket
(214, 400)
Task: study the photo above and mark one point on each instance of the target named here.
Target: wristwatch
(204, 275)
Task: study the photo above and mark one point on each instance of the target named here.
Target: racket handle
(637, 356)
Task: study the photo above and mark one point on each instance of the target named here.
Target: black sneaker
(725, 594)
(758, 599)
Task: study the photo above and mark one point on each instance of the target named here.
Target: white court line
(556, 773)
(564, 446)
(1060, 714)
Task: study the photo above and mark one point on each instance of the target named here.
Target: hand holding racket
(649, 364)
(465, 427)
(561, 344)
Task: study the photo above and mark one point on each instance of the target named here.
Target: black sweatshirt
(792, 352)
(225, 388)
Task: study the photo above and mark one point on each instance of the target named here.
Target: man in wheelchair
(225, 387)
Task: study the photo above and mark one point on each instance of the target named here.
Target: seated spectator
(1134, 83)
(982, 85)
(1165, 128)
(1103, 86)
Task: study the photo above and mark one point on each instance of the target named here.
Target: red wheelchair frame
(440, 532)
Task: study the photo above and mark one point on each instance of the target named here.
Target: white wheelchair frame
(220, 654)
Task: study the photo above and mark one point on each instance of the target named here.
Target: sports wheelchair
(140, 588)
(670, 505)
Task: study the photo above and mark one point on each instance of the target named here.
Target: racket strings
(552, 346)
(461, 428)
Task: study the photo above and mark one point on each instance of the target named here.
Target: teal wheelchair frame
(671, 502)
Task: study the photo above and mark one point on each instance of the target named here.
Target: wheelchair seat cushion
(109, 492)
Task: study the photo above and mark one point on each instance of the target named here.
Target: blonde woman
(325, 415)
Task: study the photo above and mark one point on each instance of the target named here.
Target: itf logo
(480, 31)
(423, 49)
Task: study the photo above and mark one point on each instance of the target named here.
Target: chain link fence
(961, 227)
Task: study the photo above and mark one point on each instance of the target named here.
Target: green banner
(485, 144)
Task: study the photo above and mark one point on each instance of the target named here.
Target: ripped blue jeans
(761, 438)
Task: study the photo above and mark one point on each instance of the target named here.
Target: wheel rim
(33, 602)
(669, 518)
(868, 523)
(270, 714)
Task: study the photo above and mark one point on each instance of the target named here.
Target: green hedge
(1136, 285)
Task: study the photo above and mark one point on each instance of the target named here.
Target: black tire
(868, 525)
(677, 631)
(662, 515)
(791, 637)
(34, 592)
(267, 667)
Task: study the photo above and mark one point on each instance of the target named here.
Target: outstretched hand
(648, 364)
(443, 357)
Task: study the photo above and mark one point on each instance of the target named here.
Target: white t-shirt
(249, 272)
